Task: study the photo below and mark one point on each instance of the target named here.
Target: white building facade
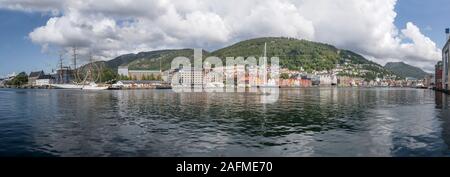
(43, 82)
(123, 71)
(191, 76)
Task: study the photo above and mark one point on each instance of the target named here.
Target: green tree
(108, 75)
(284, 76)
(122, 77)
(19, 80)
(151, 77)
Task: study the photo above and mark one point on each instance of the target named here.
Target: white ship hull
(79, 87)
(67, 86)
(94, 88)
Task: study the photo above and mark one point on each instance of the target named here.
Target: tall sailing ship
(83, 78)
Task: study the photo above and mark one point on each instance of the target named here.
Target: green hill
(293, 53)
(404, 70)
(150, 60)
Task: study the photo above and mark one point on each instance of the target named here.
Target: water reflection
(304, 122)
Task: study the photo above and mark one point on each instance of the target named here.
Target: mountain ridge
(294, 54)
(405, 70)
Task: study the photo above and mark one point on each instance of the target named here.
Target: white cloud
(53, 6)
(113, 27)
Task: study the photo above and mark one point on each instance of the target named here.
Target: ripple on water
(304, 122)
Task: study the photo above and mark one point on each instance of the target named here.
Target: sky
(33, 32)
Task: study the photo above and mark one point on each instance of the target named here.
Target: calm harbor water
(304, 122)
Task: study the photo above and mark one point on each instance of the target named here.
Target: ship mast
(74, 50)
(60, 67)
(91, 62)
(265, 64)
(75, 55)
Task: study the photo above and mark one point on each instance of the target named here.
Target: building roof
(45, 77)
(36, 74)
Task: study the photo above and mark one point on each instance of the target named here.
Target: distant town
(344, 74)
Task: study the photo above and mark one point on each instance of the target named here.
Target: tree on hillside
(108, 75)
(19, 80)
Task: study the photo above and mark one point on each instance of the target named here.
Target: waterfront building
(445, 62)
(190, 76)
(122, 71)
(166, 76)
(328, 79)
(252, 77)
(305, 82)
(344, 81)
(298, 80)
(315, 79)
(428, 81)
(138, 74)
(143, 74)
(45, 80)
(325, 79)
(137, 84)
(438, 76)
(33, 77)
(290, 82)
